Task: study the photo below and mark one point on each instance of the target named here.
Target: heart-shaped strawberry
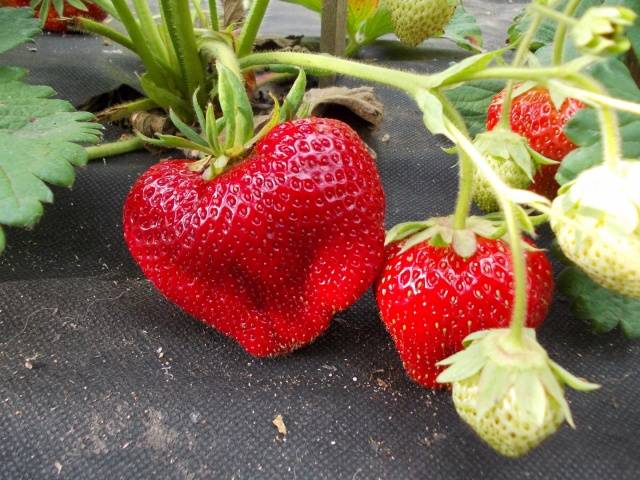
(268, 251)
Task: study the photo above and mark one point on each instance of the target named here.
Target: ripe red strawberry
(53, 22)
(430, 299)
(271, 249)
(534, 116)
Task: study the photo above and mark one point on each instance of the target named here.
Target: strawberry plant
(278, 224)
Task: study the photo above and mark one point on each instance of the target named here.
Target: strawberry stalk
(87, 25)
(561, 33)
(251, 26)
(521, 55)
(114, 148)
(213, 15)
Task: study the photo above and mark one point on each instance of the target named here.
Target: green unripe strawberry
(509, 156)
(416, 20)
(596, 220)
(504, 427)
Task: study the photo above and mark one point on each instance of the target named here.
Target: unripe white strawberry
(509, 390)
(416, 20)
(596, 220)
(505, 427)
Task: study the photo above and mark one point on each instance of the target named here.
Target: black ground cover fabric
(125, 385)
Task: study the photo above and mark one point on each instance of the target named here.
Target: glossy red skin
(53, 22)
(430, 299)
(534, 116)
(270, 250)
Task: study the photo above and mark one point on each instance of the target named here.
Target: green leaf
(17, 25)
(463, 68)
(464, 30)
(39, 140)
(584, 128)
(375, 26)
(602, 309)
(472, 101)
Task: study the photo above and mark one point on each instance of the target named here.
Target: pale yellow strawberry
(416, 20)
(596, 220)
(504, 427)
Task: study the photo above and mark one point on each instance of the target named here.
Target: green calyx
(224, 140)
(440, 232)
(511, 158)
(520, 369)
(601, 30)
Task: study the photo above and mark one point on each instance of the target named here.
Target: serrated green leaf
(8, 74)
(584, 128)
(38, 145)
(472, 101)
(17, 25)
(603, 309)
(464, 30)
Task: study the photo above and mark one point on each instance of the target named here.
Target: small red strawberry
(268, 251)
(54, 21)
(430, 297)
(535, 116)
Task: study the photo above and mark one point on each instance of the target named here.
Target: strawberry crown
(228, 138)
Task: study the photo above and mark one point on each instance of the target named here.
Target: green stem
(213, 15)
(405, 81)
(101, 29)
(148, 25)
(561, 33)
(521, 54)
(220, 51)
(140, 41)
(200, 13)
(466, 169)
(177, 17)
(123, 110)
(559, 17)
(352, 48)
(519, 263)
(114, 148)
(251, 27)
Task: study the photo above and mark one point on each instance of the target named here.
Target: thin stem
(177, 17)
(140, 41)
(148, 25)
(123, 110)
(559, 17)
(466, 169)
(518, 260)
(561, 33)
(213, 15)
(200, 13)
(91, 26)
(405, 81)
(251, 27)
(222, 52)
(114, 148)
(521, 54)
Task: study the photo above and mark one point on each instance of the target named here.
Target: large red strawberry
(268, 251)
(430, 298)
(535, 116)
(54, 22)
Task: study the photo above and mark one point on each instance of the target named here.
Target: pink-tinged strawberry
(55, 21)
(268, 251)
(536, 117)
(431, 296)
